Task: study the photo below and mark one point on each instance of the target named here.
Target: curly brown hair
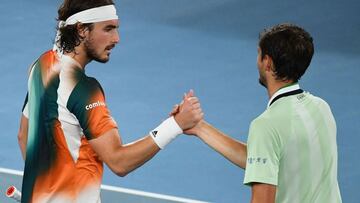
(69, 35)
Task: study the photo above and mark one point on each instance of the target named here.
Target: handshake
(188, 114)
(187, 117)
(184, 118)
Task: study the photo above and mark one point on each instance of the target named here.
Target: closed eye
(110, 28)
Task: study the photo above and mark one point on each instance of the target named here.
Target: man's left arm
(23, 135)
(263, 193)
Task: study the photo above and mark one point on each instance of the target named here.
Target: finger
(202, 115)
(181, 103)
(198, 111)
(190, 93)
(196, 106)
(175, 110)
(193, 100)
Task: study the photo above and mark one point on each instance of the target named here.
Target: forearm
(122, 159)
(133, 155)
(233, 150)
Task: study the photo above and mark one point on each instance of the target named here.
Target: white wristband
(166, 132)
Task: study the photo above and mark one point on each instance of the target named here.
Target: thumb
(175, 110)
(190, 93)
(185, 96)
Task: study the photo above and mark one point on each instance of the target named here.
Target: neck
(274, 86)
(80, 56)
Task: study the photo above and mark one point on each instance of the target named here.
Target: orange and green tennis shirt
(65, 109)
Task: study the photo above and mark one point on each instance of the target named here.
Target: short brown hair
(291, 49)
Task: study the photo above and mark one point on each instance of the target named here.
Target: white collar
(283, 90)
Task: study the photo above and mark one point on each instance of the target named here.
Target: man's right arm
(122, 159)
(235, 151)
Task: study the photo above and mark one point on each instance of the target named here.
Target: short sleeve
(262, 154)
(87, 103)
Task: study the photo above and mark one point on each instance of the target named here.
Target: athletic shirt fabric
(65, 109)
(292, 145)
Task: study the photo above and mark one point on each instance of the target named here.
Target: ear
(268, 62)
(82, 30)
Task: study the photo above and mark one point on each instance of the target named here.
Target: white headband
(93, 15)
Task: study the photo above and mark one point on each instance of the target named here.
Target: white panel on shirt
(88, 194)
(69, 123)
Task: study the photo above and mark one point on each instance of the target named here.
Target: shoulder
(48, 53)
(88, 85)
(318, 103)
(265, 130)
(48, 58)
(316, 99)
(261, 120)
(45, 60)
(86, 90)
(261, 125)
(266, 119)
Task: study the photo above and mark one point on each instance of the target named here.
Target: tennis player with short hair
(291, 153)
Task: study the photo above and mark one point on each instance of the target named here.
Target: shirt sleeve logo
(257, 160)
(94, 105)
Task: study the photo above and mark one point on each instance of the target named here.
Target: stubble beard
(91, 53)
(262, 82)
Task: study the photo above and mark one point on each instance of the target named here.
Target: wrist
(201, 128)
(179, 121)
(167, 131)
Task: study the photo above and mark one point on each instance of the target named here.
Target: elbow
(120, 169)
(23, 131)
(122, 172)
(21, 138)
(22, 144)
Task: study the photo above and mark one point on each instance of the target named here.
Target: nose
(116, 38)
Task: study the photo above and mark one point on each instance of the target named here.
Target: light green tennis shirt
(293, 145)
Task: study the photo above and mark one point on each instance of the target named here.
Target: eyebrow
(112, 26)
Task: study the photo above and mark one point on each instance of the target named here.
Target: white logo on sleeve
(94, 105)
